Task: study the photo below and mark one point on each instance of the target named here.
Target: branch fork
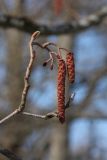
(20, 109)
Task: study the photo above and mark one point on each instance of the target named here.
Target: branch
(92, 86)
(10, 155)
(71, 115)
(26, 25)
(26, 81)
(22, 105)
(51, 114)
(28, 72)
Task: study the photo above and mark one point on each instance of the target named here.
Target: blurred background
(84, 134)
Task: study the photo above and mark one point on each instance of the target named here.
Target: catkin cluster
(61, 82)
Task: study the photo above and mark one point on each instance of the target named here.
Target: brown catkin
(61, 89)
(70, 67)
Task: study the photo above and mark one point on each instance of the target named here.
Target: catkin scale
(61, 89)
(70, 67)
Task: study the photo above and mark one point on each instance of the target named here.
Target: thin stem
(26, 80)
(22, 105)
(47, 116)
(51, 114)
(9, 116)
(28, 72)
(53, 44)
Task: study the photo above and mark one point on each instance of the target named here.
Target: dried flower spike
(61, 89)
(70, 67)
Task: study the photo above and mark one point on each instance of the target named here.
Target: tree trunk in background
(14, 80)
(15, 61)
(59, 140)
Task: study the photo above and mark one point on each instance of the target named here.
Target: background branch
(10, 155)
(26, 25)
(92, 86)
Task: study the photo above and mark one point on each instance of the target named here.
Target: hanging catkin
(70, 67)
(61, 89)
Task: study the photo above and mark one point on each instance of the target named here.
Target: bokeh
(83, 136)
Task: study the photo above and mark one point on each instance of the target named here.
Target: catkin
(70, 67)
(61, 89)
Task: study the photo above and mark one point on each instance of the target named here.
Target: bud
(44, 64)
(70, 67)
(61, 89)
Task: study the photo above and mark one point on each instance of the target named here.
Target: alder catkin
(70, 67)
(61, 89)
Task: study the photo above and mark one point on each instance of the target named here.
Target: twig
(26, 80)
(28, 72)
(9, 116)
(47, 116)
(51, 114)
(45, 46)
(22, 105)
(28, 26)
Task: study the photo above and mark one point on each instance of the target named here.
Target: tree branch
(51, 114)
(10, 155)
(26, 80)
(22, 105)
(26, 25)
(92, 86)
(71, 115)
